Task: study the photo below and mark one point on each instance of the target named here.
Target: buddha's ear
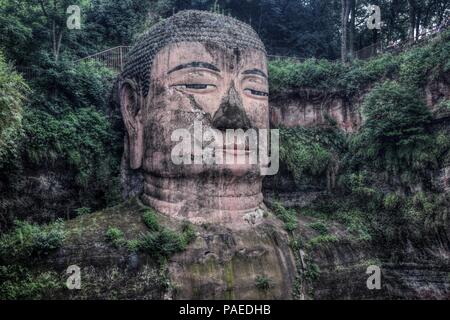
(131, 108)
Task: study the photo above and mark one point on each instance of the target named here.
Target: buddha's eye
(196, 87)
(256, 92)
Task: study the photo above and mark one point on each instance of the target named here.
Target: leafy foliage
(17, 282)
(320, 227)
(115, 236)
(422, 64)
(66, 134)
(151, 220)
(288, 216)
(79, 140)
(65, 86)
(27, 240)
(263, 283)
(311, 73)
(309, 151)
(161, 242)
(412, 68)
(395, 134)
(322, 240)
(13, 90)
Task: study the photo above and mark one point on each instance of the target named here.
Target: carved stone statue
(196, 71)
(195, 67)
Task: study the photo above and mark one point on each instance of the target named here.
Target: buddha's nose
(231, 113)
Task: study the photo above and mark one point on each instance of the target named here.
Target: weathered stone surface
(195, 67)
(224, 264)
(308, 107)
(408, 270)
(220, 264)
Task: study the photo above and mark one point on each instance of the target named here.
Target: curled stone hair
(189, 26)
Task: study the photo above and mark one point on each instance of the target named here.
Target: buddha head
(195, 72)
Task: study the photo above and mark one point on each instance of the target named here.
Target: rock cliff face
(409, 271)
(310, 107)
(258, 263)
(218, 264)
(337, 269)
(437, 89)
(223, 264)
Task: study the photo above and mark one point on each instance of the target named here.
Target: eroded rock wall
(309, 107)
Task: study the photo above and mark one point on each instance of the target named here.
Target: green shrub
(301, 154)
(361, 74)
(79, 139)
(395, 134)
(82, 211)
(133, 245)
(66, 86)
(331, 76)
(65, 133)
(288, 216)
(263, 283)
(413, 68)
(312, 73)
(296, 243)
(13, 90)
(188, 233)
(26, 240)
(17, 282)
(151, 220)
(356, 222)
(312, 271)
(307, 153)
(162, 244)
(115, 236)
(320, 227)
(322, 240)
(423, 63)
(392, 202)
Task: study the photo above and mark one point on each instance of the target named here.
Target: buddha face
(194, 84)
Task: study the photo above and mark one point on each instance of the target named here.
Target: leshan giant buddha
(195, 67)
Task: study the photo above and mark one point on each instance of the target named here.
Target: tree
(395, 134)
(345, 10)
(12, 98)
(351, 31)
(56, 16)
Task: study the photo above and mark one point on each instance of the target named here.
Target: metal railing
(378, 48)
(114, 58)
(27, 72)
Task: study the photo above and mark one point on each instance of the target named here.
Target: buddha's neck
(220, 199)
